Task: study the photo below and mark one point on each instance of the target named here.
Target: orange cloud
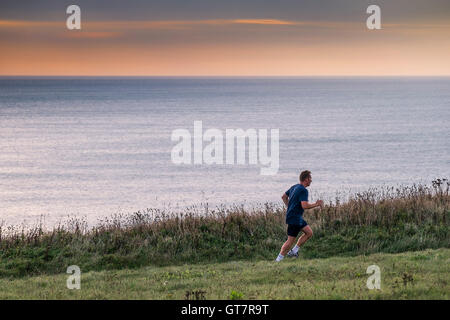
(22, 23)
(92, 35)
(163, 23)
(264, 21)
(179, 24)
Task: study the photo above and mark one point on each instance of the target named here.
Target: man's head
(305, 178)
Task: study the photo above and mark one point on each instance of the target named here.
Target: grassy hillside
(380, 220)
(412, 275)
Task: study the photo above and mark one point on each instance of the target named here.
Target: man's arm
(285, 199)
(307, 205)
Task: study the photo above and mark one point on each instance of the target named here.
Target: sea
(93, 147)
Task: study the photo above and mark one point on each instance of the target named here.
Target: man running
(296, 200)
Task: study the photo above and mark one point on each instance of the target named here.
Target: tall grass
(378, 220)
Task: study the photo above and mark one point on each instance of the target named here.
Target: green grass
(412, 275)
(380, 220)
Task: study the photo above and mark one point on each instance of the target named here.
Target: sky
(225, 38)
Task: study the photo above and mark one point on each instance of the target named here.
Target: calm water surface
(91, 147)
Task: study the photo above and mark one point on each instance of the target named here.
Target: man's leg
(285, 248)
(307, 234)
(287, 245)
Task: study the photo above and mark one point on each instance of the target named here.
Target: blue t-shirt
(297, 193)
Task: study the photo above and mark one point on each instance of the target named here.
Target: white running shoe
(292, 254)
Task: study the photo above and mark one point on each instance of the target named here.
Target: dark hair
(305, 175)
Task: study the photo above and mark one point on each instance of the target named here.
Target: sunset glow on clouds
(211, 44)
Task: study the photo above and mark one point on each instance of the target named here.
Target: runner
(296, 200)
